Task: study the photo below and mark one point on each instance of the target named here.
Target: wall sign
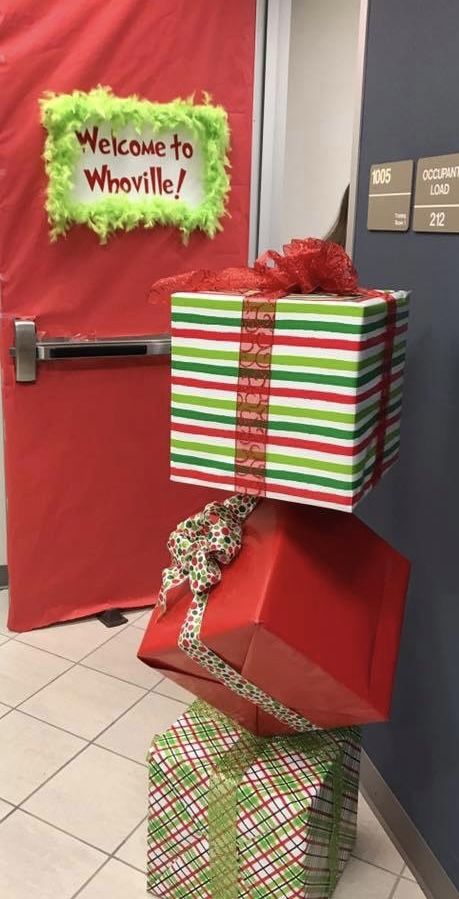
(389, 196)
(436, 200)
(120, 162)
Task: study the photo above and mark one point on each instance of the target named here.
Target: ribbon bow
(202, 543)
(304, 266)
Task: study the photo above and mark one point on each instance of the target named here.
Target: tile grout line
(72, 665)
(80, 751)
(173, 698)
(36, 817)
(375, 864)
(72, 733)
(143, 821)
(113, 857)
(91, 878)
(147, 691)
(67, 833)
(18, 636)
(20, 806)
(104, 865)
(92, 742)
(108, 855)
(75, 662)
(122, 679)
(119, 630)
(395, 887)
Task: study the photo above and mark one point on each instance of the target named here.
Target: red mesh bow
(304, 266)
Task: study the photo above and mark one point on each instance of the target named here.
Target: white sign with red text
(138, 165)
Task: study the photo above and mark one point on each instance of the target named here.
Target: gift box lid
(203, 738)
(314, 303)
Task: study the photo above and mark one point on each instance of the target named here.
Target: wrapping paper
(90, 503)
(198, 547)
(309, 612)
(295, 399)
(230, 819)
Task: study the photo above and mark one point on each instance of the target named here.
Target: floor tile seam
(92, 741)
(48, 683)
(67, 833)
(375, 864)
(119, 755)
(138, 627)
(23, 642)
(111, 857)
(107, 855)
(394, 888)
(123, 680)
(91, 878)
(126, 839)
(172, 698)
(70, 668)
(101, 867)
(73, 664)
(21, 804)
(88, 743)
(18, 706)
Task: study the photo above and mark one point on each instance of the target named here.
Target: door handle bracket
(28, 351)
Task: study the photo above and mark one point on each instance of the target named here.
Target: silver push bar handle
(28, 351)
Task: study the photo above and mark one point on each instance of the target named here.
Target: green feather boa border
(63, 114)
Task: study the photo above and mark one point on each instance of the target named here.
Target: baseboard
(3, 576)
(431, 876)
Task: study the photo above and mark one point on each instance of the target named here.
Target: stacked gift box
(330, 428)
(280, 612)
(285, 807)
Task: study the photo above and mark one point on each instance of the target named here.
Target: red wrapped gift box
(310, 611)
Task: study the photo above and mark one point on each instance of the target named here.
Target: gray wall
(411, 109)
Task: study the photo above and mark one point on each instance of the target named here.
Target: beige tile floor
(77, 712)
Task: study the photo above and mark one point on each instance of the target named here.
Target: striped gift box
(294, 802)
(328, 412)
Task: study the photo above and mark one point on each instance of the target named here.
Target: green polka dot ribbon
(198, 547)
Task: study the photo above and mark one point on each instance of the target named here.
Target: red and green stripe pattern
(327, 368)
(295, 809)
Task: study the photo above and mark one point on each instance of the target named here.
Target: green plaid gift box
(232, 815)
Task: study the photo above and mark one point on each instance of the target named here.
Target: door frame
(358, 109)
(274, 124)
(257, 125)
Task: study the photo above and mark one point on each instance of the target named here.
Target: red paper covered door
(90, 504)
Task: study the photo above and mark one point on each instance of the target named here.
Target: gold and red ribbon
(252, 404)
